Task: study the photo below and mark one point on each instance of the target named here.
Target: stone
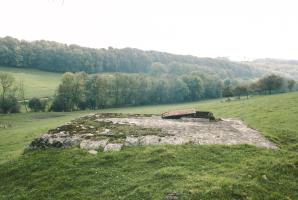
(168, 132)
(72, 141)
(131, 141)
(93, 144)
(113, 147)
(92, 152)
(87, 135)
(150, 140)
(58, 140)
(264, 177)
(106, 132)
(46, 136)
(55, 140)
(172, 196)
(39, 143)
(61, 134)
(173, 140)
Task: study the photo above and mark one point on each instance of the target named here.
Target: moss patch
(117, 132)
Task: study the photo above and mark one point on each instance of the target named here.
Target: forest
(57, 57)
(103, 78)
(78, 91)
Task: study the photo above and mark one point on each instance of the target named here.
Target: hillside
(286, 68)
(187, 171)
(37, 83)
(57, 57)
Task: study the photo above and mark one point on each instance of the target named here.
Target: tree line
(266, 85)
(79, 91)
(57, 57)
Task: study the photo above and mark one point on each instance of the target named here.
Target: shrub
(37, 105)
(9, 105)
(57, 105)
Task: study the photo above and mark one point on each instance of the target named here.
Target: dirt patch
(110, 132)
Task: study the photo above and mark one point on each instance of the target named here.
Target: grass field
(36, 83)
(192, 172)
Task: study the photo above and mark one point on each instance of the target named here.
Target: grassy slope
(37, 83)
(196, 172)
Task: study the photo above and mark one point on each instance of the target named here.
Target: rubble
(93, 144)
(111, 132)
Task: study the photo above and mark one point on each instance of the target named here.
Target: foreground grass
(18, 130)
(193, 172)
(36, 83)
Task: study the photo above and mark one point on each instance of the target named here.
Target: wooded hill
(285, 68)
(57, 57)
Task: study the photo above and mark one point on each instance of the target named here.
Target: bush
(9, 105)
(57, 105)
(37, 105)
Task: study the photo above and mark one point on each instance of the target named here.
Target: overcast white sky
(234, 28)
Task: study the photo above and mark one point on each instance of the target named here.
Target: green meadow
(187, 171)
(36, 83)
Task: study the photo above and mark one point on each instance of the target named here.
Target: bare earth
(194, 131)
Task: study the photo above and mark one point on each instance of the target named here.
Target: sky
(238, 29)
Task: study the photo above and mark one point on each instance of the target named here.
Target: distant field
(37, 83)
(192, 172)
